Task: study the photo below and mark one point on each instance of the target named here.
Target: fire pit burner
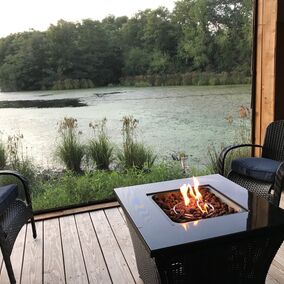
(172, 203)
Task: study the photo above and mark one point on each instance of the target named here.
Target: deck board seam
(42, 263)
(81, 249)
(23, 255)
(61, 242)
(120, 247)
(94, 228)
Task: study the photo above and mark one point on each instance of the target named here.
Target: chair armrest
(226, 150)
(23, 180)
(278, 184)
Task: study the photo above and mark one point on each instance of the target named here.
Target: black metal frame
(13, 219)
(273, 148)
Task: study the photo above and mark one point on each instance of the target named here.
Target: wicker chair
(15, 212)
(264, 175)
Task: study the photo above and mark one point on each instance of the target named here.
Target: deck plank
(53, 268)
(75, 270)
(271, 280)
(117, 266)
(1, 261)
(122, 234)
(276, 271)
(16, 258)
(32, 263)
(122, 213)
(94, 260)
(280, 254)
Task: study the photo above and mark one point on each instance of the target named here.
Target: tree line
(197, 37)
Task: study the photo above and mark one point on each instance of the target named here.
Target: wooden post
(279, 84)
(269, 66)
(265, 67)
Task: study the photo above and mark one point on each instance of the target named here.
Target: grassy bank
(73, 189)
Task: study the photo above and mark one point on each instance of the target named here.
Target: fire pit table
(192, 243)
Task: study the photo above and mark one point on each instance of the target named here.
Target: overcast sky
(22, 15)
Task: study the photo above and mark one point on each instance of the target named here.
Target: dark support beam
(279, 79)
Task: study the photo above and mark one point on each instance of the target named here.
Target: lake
(171, 119)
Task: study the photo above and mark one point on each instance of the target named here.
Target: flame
(184, 190)
(194, 192)
(196, 195)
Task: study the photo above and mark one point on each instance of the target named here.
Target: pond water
(171, 119)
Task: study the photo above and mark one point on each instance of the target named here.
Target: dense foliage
(198, 36)
(70, 189)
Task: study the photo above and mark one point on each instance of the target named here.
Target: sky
(23, 15)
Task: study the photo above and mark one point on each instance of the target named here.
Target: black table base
(243, 261)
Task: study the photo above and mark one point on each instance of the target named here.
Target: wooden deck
(90, 247)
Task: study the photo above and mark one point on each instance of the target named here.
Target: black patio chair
(15, 212)
(263, 175)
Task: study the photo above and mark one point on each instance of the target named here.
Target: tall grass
(242, 135)
(17, 158)
(134, 154)
(70, 150)
(3, 157)
(99, 148)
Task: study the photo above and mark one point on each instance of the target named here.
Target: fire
(183, 191)
(196, 195)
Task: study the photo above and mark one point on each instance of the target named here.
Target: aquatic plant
(134, 154)
(100, 149)
(70, 150)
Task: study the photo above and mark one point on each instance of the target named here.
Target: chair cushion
(8, 194)
(258, 168)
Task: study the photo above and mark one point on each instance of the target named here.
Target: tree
(62, 41)
(199, 35)
(100, 59)
(137, 62)
(160, 33)
(215, 33)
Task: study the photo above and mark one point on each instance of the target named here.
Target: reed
(70, 150)
(100, 149)
(134, 154)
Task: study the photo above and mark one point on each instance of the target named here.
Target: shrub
(187, 79)
(134, 154)
(100, 149)
(69, 150)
